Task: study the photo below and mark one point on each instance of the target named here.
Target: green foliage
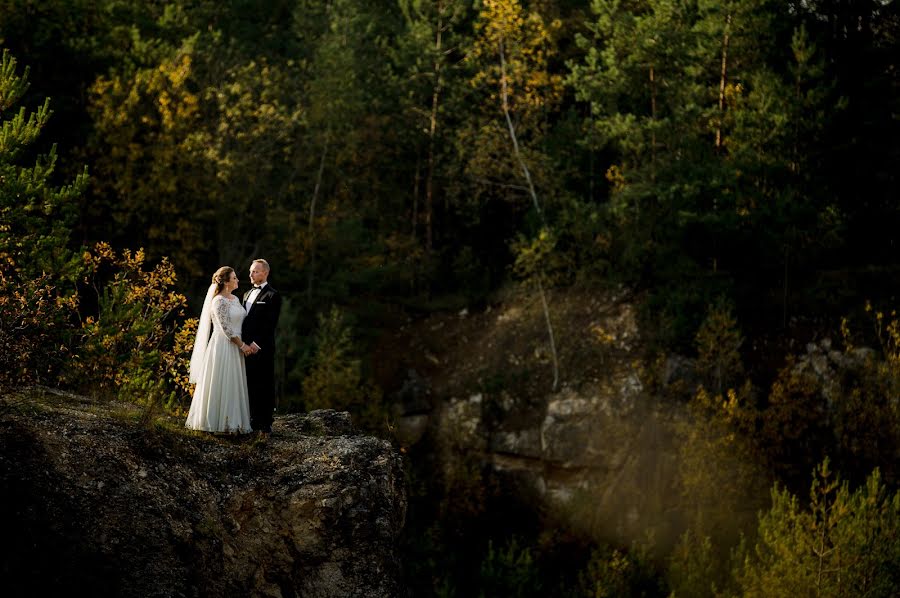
(146, 123)
(614, 572)
(844, 543)
(718, 349)
(674, 311)
(703, 125)
(721, 475)
(208, 124)
(526, 36)
(509, 571)
(38, 271)
(583, 239)
(795, 423)
(828, 401)
(35, 217)
(866, 414)
(196, 106)
(742, 149)
(37, 320)
(430, 79)
(335, 378)
(537, 260)
(132, 348)
(694, 567)
(126, 348)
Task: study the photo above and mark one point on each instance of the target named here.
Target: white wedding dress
(221, 402)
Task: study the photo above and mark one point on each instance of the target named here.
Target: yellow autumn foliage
(134, 348)
(527, 39)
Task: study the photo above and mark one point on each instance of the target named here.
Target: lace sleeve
(220, 315)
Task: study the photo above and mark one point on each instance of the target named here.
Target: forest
(733, 164)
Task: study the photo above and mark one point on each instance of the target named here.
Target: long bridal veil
(201, 341)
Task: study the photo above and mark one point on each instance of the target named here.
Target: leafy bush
(612, 573)
(133, 348)
(721, 480)
(839, 402)
(35, 216)
(37, 325)
(866, 412)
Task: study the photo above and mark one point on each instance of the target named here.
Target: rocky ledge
(95, 503)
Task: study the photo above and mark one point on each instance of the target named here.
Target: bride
(220, 402)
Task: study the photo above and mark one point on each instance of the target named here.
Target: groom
(263, 305)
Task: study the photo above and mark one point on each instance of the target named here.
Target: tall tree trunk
(723, 80)
(794, 164)
(653, 118)
(512, 132)
(432, 130)
(550, 334)
(415, 207)
(591, 159)
(312, 218)
(512, 135)
(784, 294)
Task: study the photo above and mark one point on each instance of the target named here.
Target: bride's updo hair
(222, 276)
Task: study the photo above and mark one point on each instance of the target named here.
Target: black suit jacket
(259, 325)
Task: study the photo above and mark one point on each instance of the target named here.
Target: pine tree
(35, 216)
(844, 543)
(38, 269)
(428, 51)
(705, 123)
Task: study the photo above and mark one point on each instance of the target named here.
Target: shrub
(612, 573)
(509, 571)
(37, 325)
(694, 567)
(133, 347)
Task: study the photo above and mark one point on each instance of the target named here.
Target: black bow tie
(257, 286)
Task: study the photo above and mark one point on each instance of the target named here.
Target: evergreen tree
(429, 53)
(845, 543)
(694, 104)
(35, 216)
(38, 269)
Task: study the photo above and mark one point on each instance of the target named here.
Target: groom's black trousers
(261, 386)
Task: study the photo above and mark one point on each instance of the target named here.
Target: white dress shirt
(251, 299)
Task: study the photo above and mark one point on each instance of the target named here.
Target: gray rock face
(597, 453)
(97, 503)
(599, 449)
(827, 365)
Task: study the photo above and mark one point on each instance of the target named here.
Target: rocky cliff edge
(94, 502)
